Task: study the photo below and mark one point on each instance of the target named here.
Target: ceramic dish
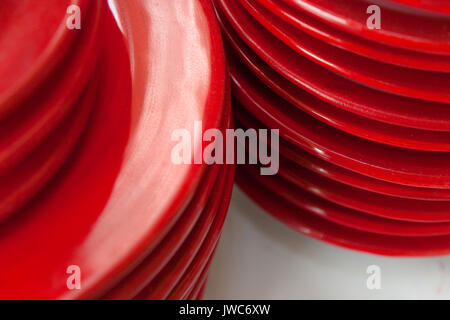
(399, 28)
(185, 286)
(99, 176)
(363, 127)
(408, 167)
(437, 6)
(321, 229)
(201, 293)
(149, 268)
(350, 42)
(34, 39)
(351, 178)
(31, 124)
(337, 173)
(184, 262)
(346, 94)
(24, 180)
(389, 78)
(354, 219)
(195, 294)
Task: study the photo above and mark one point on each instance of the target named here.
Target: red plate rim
(344, 175)
(283, 186)
(366, 128)
(48, 59)
(352, 18)
(173, 274)
(400, 110)
(140, 230)
(435, 6)
(377, 75)
(152, 264)
(320, 229)
(30, 175)
(20, 133)
(353, 43)
(369, 158)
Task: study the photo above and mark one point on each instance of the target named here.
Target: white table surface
(260, 258)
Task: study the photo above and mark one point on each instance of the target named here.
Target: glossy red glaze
(369, 202)
(149, 268)
(194, 293)
(398, 28)
(437, 6)
(408, 167)
(363, 127)
(317, 189)
(315, 204)
(337, 173)
(201, 293)
(402, 81)
(198, 248)
(197, 292)
(34, 39)
(346, 94)
(350, 42)
(113, 156)
(43, 231)
(351, 178)
(364, 149)
(321, 229)
(193, 275)
(30, 125)
(20, 184)
(365, 201)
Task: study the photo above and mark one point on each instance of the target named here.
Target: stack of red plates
(91, 203)
(363, 114)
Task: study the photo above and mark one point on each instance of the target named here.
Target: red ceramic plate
(349, 122)
(324, 230)
(185, 286)
(24, 180)
(148, 269)
(350, 42)
(397, 28)
(206, 232)
(23, 130)
(369, 202)
(346, 94)
(195, 293)
(198, 248)
(409, 167)
(351, 218)
(365, 201)
(437, 6)
(33, 41)
(351, 178)
(100, 175)
(340, 174)
(402, 81)
(199, 290)
(201, 293)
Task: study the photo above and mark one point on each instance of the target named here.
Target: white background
(260, 258)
